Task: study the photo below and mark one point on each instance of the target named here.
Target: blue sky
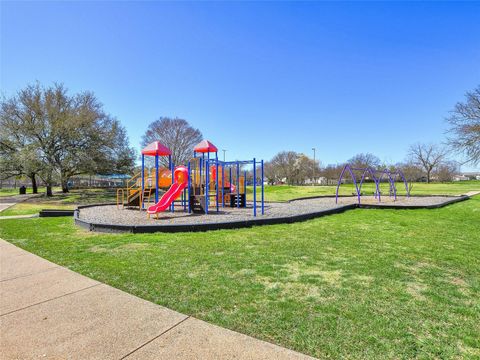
(257, 77)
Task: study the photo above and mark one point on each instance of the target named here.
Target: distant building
(318, 181)
(468, 175)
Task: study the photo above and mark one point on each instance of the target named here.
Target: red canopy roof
(205, 146)
(156, 148)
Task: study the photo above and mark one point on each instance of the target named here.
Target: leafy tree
(177, 135)
(66, 135)
(465, 126)
(17, 155)
(427, 156)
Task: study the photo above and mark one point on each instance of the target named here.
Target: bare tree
(411, 171)
(332, 172)
(285, 163)
(364, 160)
(271, 173)
(306, 169)
(427, 156)
(465, 126)
(446, 170)
(177, 135)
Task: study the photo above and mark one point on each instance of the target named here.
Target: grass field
(12, 191)
(61, 201)
(285, 192)
(9, 192)
(364, 284)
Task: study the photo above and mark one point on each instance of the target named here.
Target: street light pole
(314, 165)
(224, 151)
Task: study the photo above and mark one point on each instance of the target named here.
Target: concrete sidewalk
(472, 193)
(48, 311)
(9, 201)
(30, 216)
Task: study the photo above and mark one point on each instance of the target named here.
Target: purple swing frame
(377, 176)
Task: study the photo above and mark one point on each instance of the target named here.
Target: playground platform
(109, 218)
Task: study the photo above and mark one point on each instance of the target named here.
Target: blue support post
(202, 165)
(263, 192)
(216, 180)
(189, 189)
(238, 184)
(206, 187)
(254, 188)
(223, 185)
(184, 199)
(230, 181)
(143, 182)
(207, 173)
(171, 169)
(156, 178)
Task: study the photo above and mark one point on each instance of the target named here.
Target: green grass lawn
(10, 191)
(364, 284)
(286, 192)
(33, 208)
(61, 201)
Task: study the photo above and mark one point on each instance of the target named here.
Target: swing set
(377, 175)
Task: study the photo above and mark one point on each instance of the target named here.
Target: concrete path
(48, 311)
(472, 193)
(8, 201)
(18, 216)
(5, 206)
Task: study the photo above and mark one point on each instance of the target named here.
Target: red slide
(181, 181)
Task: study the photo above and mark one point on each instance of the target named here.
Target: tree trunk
(64, 181)
(428, 177)
(65, 186)
(33, 179)
(49, 190)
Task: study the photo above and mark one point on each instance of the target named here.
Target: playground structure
(203, 185)
(377, 175)
(142, 186)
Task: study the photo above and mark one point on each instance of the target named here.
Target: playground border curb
(138, 229)
(412, 207)
(55, 213)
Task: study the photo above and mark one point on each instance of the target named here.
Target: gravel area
(109, 214)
